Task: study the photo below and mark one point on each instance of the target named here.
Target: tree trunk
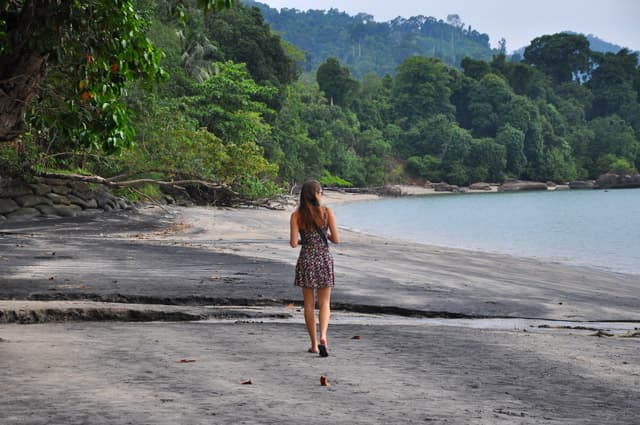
(20, 79)
(21, 70)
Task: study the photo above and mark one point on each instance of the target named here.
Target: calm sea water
(596, 228)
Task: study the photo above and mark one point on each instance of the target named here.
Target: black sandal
(323, 350)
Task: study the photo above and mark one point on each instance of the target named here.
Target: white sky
(518, 21)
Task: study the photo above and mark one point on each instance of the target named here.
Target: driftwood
(201, 191)
(136, 182)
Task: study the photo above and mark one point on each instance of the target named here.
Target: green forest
(207, 90)
(364, 45)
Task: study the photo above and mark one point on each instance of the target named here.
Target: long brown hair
(309, 210)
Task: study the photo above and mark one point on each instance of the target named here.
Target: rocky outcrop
(445, 187)
(480, 186)
(618, 181)
(582, 184)
(52, 198)
(387, 190)
(519, 185)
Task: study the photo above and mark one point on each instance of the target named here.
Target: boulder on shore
(618, 181)
(445, 187)
(480, 186)
(519, 185)
(582, 184)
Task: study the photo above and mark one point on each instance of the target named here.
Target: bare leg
(324, 304)
(310, 316)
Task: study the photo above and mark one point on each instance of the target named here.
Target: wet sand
(235, 269)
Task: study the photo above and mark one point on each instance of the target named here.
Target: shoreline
(338, 198)
(165, 252)
(450, 279)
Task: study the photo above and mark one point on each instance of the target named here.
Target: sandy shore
(477, 339)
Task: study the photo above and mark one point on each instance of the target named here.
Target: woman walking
(312, 226)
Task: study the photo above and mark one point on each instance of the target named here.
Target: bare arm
(293, 235)
(333, 228)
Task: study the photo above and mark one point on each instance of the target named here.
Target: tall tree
(336, 82)
(421, 89)
(615, 85)
(102, 44)
(243, 37)
(564, 57)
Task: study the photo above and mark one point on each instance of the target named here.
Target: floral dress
(315, 263)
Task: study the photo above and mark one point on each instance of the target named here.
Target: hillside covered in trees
(228, 106)
(364, 45)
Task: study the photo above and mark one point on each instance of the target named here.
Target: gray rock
(8, 205)
(23, 214)
(27, 201)
(519, 185)
(58, 199)
(92, 211)
(391, 191)
(83, 203)
(582, 184)
(3, 218)
(618, 181)
(79, 186)
(84, 195)
(480, 186)
(445, 187)
(103, 199)
(50, 181)
(60, 210)
(16, 190)
(40, 189)
(61, 190)
(47, 210)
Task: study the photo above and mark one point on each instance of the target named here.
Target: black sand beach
(114, 303)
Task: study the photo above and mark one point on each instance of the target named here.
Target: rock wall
(52, 198)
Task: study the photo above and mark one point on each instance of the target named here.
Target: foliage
(421, 89)
(334, 181)
(226, 104)
(365, 45)
(242, 36)
(17, 158)
(93, 50)
(336, 83)
(171, 147)
(564, 57)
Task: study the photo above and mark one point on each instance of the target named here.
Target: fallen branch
(136, 182)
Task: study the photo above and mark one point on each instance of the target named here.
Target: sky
(519, 22)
